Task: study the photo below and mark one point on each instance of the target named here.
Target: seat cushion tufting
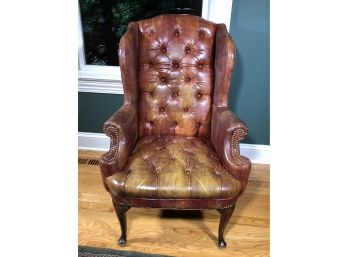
(174, 167)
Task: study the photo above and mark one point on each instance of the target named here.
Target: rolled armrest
(227, 131)
(122, 128)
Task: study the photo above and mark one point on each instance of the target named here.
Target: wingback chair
(174, 142)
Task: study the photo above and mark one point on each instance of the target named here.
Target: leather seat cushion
(174, 167)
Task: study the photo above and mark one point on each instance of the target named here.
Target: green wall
(95, 109)
(249, 93)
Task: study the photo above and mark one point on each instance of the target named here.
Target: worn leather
(175, 75)
(175, 143)
(174, 167)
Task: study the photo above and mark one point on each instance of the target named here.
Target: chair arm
(227, 131)
(122, 128)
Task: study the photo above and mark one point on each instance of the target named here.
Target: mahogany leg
(121, 210)
(226, 214)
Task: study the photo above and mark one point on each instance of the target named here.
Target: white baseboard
(100, 142)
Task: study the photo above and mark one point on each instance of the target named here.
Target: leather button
(162, 109)
(151, 64)
(151, 33)
(200, 66)
(199, 95)
(188, 79)
(175, 94)
(176, 65)
(187, 171)
(175, 123)
(164, 49)
(188, 50)
(177, 33)
(186, 109)
(199, 124)
(163, 79)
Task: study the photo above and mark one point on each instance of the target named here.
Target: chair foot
(122, 242)
(222, 244)
(121, 210)
(226, 214)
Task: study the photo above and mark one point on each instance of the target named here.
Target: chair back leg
(226, 213)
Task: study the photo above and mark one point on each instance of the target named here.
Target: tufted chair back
(176, 75)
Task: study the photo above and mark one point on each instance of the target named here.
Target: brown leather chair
(174, 142)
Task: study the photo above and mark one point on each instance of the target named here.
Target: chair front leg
(226, 213)
(121, 210)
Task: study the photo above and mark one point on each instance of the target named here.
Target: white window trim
(107, 79)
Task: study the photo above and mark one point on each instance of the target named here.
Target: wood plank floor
(175, 233)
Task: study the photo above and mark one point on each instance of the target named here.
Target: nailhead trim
(237, 135)
(228, 206)
(114, 145)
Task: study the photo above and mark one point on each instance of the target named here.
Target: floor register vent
(87, 161)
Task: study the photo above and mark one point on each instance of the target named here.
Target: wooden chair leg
(121, 210)
(226, 214)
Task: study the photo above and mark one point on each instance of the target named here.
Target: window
(103, 22)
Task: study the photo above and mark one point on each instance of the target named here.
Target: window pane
(105, 21)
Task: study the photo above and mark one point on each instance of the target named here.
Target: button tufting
(175, 72)
(199, 124)
(162, 109)
(187, 171)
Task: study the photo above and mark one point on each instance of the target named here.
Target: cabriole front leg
(226, 213)
(121, 210)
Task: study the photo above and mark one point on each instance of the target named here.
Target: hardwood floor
(175, 233)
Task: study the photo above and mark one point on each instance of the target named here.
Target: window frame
(107, 79)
